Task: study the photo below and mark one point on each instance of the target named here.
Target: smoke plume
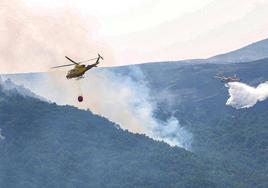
(1, 136)
(245, 96)
(35, 40)
(122, 98)
(126, 100)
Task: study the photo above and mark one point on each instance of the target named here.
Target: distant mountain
(197, 33)
(47, 145)
(252, 52)
(249, 53)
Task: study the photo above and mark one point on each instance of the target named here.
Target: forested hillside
(45, 145)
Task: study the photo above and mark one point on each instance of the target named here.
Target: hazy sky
(125, 16)
(127, 31)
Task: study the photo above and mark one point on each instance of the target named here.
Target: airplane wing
(219, 77)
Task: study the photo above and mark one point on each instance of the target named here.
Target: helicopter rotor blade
(62, 66)
(71, 60)
(87, 60)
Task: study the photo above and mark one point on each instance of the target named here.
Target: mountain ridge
(252, 52)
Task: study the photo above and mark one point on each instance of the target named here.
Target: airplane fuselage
(227, 80)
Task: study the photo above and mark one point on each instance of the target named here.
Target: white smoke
(245, 96)
(172, 133)
(1, 136)
(35, 40)
(123, 99)
(127, 100)
(10, 88)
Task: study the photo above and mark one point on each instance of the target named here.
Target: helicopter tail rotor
(100, 56)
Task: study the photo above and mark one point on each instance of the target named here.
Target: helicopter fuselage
(77, 71)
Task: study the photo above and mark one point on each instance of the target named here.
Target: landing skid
(80, 77)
